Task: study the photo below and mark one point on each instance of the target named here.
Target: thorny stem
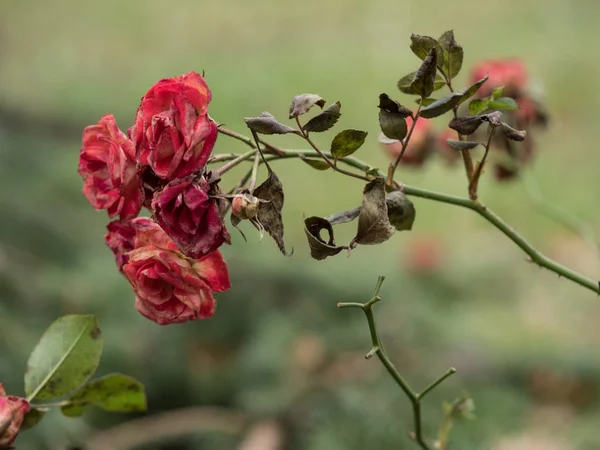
(394, 165)
(304, 134)
(534, 255)
(475, 180)
(378, 349)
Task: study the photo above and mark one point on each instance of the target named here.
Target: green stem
(234, 162)
(534, 255)
(378, 349)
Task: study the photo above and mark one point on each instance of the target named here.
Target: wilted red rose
(12, 412)
(187, 213)
(173, 133)
(510, 73)
(123, 237)
(169, 287)
(108, 168)
(420, 145)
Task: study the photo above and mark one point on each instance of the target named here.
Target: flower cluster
(12, 413)
(172, 262)
(510, 74)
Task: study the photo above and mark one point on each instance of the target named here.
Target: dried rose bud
(245, 206)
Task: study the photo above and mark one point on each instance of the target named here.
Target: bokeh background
(279, 366)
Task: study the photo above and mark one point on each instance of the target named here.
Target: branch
(535, 256)
(378, 349)
(405, 141)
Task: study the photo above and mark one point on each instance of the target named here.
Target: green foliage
(346, 142)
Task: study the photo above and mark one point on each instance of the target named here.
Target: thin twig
(234, 162)
(405, 141)
(466, 154)
(534, 255)
(474, 183)
(378, 349)
(330, 163)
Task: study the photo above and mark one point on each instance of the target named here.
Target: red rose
(108, 168)
(419, 146)
(169, 287)
(123, 237)
(173, 133)
(510, 73)
(190, 217)
(12, 412)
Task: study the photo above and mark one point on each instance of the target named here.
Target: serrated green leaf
(347, 142)
(265, 123)
(66, 357)
(302, 103)
(472, 90)
(452, 56)
(441, 106)
(318, 164)
(424, 80)
(503, 103)
(404, 84)
(113, 393)
(324, 120)
(462, 145)
(477, 106)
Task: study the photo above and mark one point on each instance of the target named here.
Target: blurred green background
(279, 366)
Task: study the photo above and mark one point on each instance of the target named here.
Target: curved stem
(534, 255)
(378, 349)
(394, 166)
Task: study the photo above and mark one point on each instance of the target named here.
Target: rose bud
(510, 73)
(108, 168)
(419, 147)
(188, 214)
(245, 206)
(12, 413)
(170, 288)
(173, 133)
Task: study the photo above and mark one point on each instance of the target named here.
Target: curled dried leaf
(265, 123)
(462, 145)
(424, 81)
(401, 211)
(270, 193)
(302, 103)
(466, 125)
(374, 226)
(325, 120)
(512, 134)
(405, 83)
(319, 247)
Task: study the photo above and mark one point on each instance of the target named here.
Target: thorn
(412, 435)
(371, 352)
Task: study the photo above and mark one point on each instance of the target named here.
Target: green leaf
(450, 61)
(477, 106)
(496, 93)
(425, 101)
(318, 164)
(66, 357)
(472, 90)
(302, 103)
(347, 142)
(441, 106)
(392, 118)
(462, 145)
(113, 393)
(404, 84)
(512, 134)
(424, 80)
(265, 123)
(319, 248)
(503, 103)
(325, 120)
(422, 45)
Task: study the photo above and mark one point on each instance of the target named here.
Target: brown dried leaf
(374, 226)
(319, 248)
